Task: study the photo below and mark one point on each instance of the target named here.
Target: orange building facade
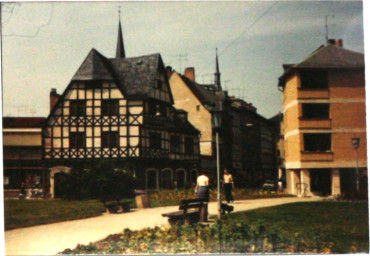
(324, 110)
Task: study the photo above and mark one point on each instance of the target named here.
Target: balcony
(313, 93)
(306, 123)
(316, 156)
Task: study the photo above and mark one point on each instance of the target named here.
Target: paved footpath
(50, 239)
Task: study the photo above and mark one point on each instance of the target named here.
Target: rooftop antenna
(182, 57)
(119, 13)
(326, 29)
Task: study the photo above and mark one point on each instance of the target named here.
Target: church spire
(217, 74)
(120, 51)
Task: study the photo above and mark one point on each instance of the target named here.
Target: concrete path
(53, 238)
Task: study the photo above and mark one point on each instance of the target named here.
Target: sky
(44, 43)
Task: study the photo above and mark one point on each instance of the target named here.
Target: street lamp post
(356, 145)
(217, 119)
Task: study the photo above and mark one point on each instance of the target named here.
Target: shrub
(101, 181)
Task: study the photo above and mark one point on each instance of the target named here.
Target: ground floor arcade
(325, 182)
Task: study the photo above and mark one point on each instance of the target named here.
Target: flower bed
(326, 228)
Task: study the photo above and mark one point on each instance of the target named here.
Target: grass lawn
(317, 227)
(25, 213)
(339, 227)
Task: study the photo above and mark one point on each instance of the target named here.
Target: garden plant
(322, 227)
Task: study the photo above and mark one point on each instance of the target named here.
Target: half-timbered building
(121, 109)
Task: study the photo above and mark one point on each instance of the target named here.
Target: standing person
(201, 189)
(228, 185)
(202, 192)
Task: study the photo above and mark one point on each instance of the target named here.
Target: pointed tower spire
(120, 52)
(217, 74)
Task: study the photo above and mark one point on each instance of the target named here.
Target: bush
(101, 181)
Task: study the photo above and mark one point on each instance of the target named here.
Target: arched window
(180, 178)
(167, 179)
(151, 179)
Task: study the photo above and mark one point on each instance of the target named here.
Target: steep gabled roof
(94, 67)
(202, 94)
(137, 76)
(327, 57)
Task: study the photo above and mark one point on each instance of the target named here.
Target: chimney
(54, 97)
(169, 71)
(339, 43)
(190, 74)
(331, 41)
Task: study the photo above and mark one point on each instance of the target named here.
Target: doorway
(320, 180)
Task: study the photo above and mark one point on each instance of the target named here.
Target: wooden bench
(190, 211)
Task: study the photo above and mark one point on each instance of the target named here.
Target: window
(312, 110)
(109, 107)
(77, 107)
(189, 145)
(314, 79)
(77, 140)
(317, 142)
(155, 140)
(109, 139)
(175, 144)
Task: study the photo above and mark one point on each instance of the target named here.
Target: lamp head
(356, 142)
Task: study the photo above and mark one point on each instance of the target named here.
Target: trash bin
(142, 199)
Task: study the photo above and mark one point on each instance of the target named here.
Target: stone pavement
(50, 239)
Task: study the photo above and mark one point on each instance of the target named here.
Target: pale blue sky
(43, 44)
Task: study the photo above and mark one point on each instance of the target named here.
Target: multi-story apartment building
(121, 109)
(199, 101)
(253, 145)
(22, 146)
(277, 122)
(324, 110)
(246, 144)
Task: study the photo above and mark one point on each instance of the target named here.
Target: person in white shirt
(202, 192)
(228, 185)
(201, 189)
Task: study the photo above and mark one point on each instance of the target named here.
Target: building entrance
(320, 180)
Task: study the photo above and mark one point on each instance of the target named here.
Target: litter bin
(142, 199)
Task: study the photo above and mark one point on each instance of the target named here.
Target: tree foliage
(102, 180)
